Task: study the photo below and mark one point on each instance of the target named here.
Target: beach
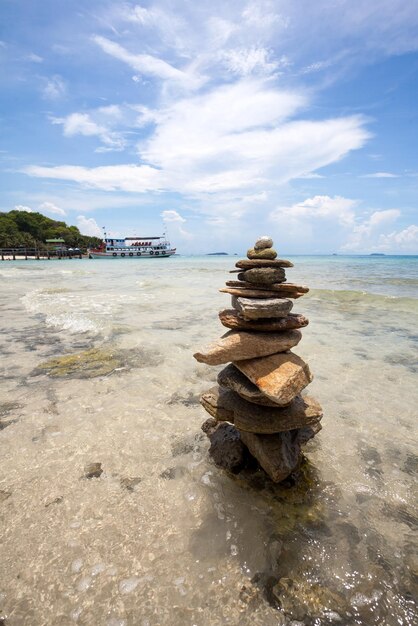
(162, 536)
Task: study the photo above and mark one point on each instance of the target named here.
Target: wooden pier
(24, 254)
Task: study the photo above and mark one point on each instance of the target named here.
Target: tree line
(30, 230)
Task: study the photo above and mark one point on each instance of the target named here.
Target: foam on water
(163, 537)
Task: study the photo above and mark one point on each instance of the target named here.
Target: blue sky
(225, 120)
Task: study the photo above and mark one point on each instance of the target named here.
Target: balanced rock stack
(256, 408)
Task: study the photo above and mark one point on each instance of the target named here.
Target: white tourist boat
(133, 248)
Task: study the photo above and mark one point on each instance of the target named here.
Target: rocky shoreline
(258, 415)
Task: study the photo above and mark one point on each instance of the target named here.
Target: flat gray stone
(256, 309)
(226, 405)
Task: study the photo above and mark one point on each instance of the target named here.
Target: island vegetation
(24, 229)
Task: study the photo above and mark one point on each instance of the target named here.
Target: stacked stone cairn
(257, 410)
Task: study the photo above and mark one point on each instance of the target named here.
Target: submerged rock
(277, 454)
(130, 482)
(281, 377)
(93, 470)
(231, 318)
(86, 364)
(304, 600)
(237, 345)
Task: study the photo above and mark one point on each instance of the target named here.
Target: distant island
(377, 254)
(217, 254)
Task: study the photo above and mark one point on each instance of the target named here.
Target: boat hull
(161, 254)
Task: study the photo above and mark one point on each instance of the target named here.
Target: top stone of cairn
(263, 242)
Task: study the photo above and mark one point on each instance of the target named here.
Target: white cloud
(247, 61)
(405, 240)
(34, 58)
(132, 178)
(338, 209)
(172, 216)
(54, 89)
(50, 207)
(145, 64)
(381, 175)
(89, 226)
(83, 124)
(364, 234)
(22, 207)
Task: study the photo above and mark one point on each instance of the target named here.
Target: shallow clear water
(164, 537)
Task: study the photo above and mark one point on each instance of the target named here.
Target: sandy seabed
(163, 537)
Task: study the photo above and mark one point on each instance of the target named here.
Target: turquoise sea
(163, 537)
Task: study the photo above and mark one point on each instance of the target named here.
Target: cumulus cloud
(22, 207)
(172, 216)
(363, 235)
(89, 226)
(50, 207)
(405, 240)
(339, 209)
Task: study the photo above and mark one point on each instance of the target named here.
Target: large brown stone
(237, 345)
(248, 263)
(244, 292)
(266, 253)
(265, 275)
(226, 405)
(231, 318)
(281, 377)
(278, 455)
(256, 309)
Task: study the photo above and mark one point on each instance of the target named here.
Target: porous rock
(281, 377)
(227, 405)
(248, 263)
(231, 318)
(265, 275)
(227, 449)
(237, 345)
(270, 307)
(266, 253)
(263, 242)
